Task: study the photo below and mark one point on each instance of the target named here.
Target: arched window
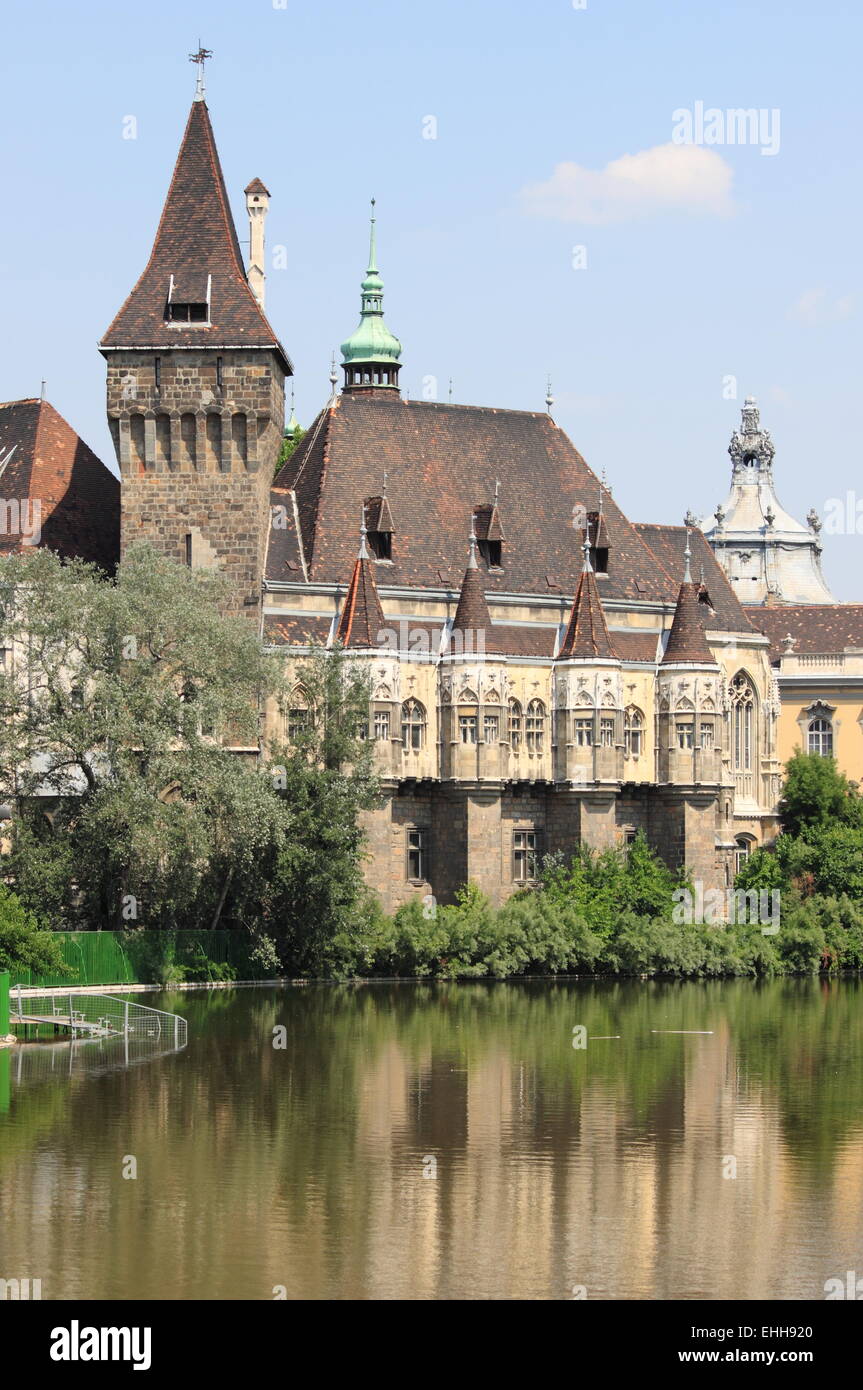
(820, 737)
(633, 732)
(742, 723)
(534, 726)
(413, 724)
(515, 725)
(299, 716)
(742, 851)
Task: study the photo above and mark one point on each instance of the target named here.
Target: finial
(450, 391)
(496, 489)
(472, 564)
(42, 396)
(687, 574)
(363, 552)
(720, 516)
(373, 248)
(587, 567)
(334, 376)
(386, 475)
(690, 520)
(200, 58)
(549, 398)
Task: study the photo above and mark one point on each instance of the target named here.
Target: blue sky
(701, 263)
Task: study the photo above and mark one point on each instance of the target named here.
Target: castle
(544, 672)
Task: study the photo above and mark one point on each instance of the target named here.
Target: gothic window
(707, 734)
(467, 727)
(583, 733)
(491, 728)
(820, 737)
(535, 726)
(742, 723)
(525, 849)
(685, 733)
(633, 732)
(515, 729)
(742, 851)
(606, 732)
(299, 716)
(413, 724)
(382, 725)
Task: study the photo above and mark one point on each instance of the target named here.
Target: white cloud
(815, 306)
(681, 178)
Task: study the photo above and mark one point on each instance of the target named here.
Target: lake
(447, 1141)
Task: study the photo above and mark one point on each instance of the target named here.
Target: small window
(633, 732)
(707, 734)
(742, 851)
(584, 733)
(417, 855)
(491, 728)
(382, 725)
(820, 737)
(685, 733)
(189, 551)
(599, 559)
(630, 835)
(492, 553)
(525, 856)
(381, 544)
(606, 732)
(299, 722)
(535, 726)
(413, 724)
(514, 725)
(187, 313)
(467, 727)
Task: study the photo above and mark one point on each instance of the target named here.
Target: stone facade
(197, 438)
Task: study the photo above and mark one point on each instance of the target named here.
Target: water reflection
(308, 1166)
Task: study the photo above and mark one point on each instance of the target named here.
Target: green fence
(4, 1005)
(144, 957)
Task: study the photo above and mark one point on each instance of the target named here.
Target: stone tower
(196, 381)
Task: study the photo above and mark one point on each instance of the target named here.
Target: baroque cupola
(371, 356)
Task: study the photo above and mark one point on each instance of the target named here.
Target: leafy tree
(24, 945)
(288, 447)
(816, 794)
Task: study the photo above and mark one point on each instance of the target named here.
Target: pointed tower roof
(687, 644)
(195, 261)
(587, 637)
(362, 618)
(472, 615)
(372, 345)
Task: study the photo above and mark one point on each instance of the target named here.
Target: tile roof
(686, 640)
(667, 544)
(196, 240)
(79, 498)
(587, 632)
(361, 621)
(818, 627)
(438, 459)
(300, 630)
(472, 615)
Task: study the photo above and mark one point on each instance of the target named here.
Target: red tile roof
(79, 498)
(196, 240)
(362, 621)
(587, 632)
(438, 459)
(686, 640)
(667, 544)
(819, 628)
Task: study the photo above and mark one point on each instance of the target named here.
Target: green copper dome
(371, 345)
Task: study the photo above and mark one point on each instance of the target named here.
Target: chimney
(257, 206)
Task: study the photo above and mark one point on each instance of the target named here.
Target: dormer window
(599, 543)
(492, 553)
(379, 521)
(188, 299)
(489, 534)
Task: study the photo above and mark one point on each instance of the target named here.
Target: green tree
(816, 794)
(24, 945)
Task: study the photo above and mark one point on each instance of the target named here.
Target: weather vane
(200, 58)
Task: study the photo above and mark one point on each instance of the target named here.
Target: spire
(200, 58)
(687, 644)
(587, 636)
(472, 615)
(194, 292)
(362, 621)
(371, 356)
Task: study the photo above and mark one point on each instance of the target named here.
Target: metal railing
(97, 1016)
